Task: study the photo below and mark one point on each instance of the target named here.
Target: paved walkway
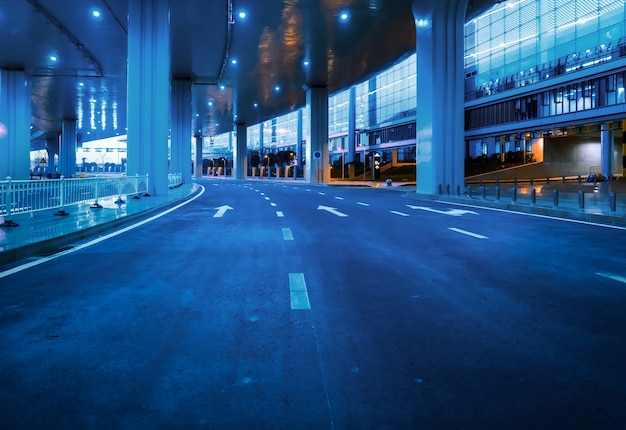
(44, 232)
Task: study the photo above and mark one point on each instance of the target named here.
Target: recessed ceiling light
(242, 14)
(344, 16)
(306, 63)
(53, 58)
(256, 105)
(277, 88)
(222, 87)
(233, 61)
(96, 13)
(210, 103)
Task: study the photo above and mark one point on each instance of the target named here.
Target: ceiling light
(306, 63)
(277, 88)
(96, 13)
(242, 14)
(344, 16)
(53, 58)
(222, 87)
(233, 61)
(255, 105)
(210, 103)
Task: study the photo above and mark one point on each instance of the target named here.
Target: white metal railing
(23, 196)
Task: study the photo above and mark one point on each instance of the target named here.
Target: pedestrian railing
(24, 196)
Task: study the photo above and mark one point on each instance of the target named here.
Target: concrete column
(67, 148)
(351, 126)
(440, 92)
(180, 150)
(15, 112)
(198, 161)
(52, 148)
(317, 144)
(606, 142)
(300, 138)
(624, 149)
(240, 155)
(149, 91)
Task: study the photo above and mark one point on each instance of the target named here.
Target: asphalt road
(268, 305)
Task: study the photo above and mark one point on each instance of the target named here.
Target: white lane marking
(333, 211)
(287, 234)
(399, 213)
(575, 221)
(468, 233)
(262, 194)
(362, 204)
(279, 214)
(453, 212)
(613, 277)
(321, 193)
(273, 205)
(221, 210)
(306, 189)
(26, 266)
(339, 198)
(267, 198)
(297, 289)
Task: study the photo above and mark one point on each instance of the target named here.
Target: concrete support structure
(623, 148)
(67, 148)
(300, 138)
(240, 155)
(149, 91)
(606, 142)
(15, 111)
(351, 149)
(180, 151)
(198, 160)
(317, 144)
(52, 148)
(440, 93)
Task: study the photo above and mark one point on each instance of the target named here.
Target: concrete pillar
(52, 148)
(180, 150)
(606, 142)
(240, 155)
(317, 144)
(15, 113)
(351, 126)
(149, 91)
(300, 138)
(440, 92)
(198, 161)
(624, 149)
(67, 148)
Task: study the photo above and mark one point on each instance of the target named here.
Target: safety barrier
(24, 196)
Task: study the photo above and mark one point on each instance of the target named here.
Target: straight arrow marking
(333, 211)
(221, 211)
(614, 277)
(452, 212)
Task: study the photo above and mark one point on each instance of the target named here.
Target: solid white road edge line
(576, 221)
(98, 240)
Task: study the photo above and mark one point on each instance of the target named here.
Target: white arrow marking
(468, 233)
(331, 210)
(453, 212)
(613, 277)
(221, 211)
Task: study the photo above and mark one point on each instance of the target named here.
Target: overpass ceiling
(88, 79)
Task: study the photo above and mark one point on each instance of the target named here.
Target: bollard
(458, 191)
(440, 189)
(497, 192)
(448, 189)
(61, 211)
(613, 202)
(555, 198)
(388, 182)
(484, 192)
(514, 198)
(469, 191)
(581, 200)
(533, 196)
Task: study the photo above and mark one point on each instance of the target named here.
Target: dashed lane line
(287, 234)
(399, 213)
(279, 214)
(298, 292)
(273, 205)
(362, 204)
(339, 198)
(468, 233)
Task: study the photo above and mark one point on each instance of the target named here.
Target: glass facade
(518, 43)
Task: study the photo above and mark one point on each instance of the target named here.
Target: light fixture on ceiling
(242, 14)
(344, 16)
(96, 13)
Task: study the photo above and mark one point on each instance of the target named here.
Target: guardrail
(24, 196)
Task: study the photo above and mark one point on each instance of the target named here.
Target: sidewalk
(43, 232)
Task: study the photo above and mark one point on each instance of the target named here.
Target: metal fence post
(555, 198)
(533, 196)
(613, 201)
(147, 194)
(61, 211)
(581, 199)
(514, 198)
(8, 199)
(97, 205)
